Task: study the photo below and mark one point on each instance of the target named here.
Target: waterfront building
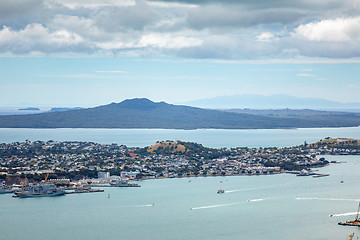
(104, 175)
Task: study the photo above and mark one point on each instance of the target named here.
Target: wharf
(308, 173)
(85, 191)
(320, 175)
(109, 185)
(99, 185)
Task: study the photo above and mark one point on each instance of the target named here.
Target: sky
(67, 53)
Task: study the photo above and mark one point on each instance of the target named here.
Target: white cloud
(84, 27)
(171, 4)
(120, 19)
(193, 29)
(36, 37)
(113, 45)
(169, 41)
(330, 30)
(265, 37)
(73, 4)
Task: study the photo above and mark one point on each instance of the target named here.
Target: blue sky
(71, 53)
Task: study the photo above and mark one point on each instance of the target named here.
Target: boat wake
(329, 199)
(215, 206)
(242, 190)
(343, 214)
(231, 191)
(226, 205)
(255, 200)
(146, 205)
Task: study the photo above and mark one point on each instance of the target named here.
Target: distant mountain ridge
(278, 101)
(64, 109)
(143, 113)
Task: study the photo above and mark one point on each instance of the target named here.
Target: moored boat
(39, 190)
(123, 183)
(5, 189)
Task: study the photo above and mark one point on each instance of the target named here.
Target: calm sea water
(283, 206)
(207, 137)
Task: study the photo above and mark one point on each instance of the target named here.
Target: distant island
(143, 113)
(30, 109)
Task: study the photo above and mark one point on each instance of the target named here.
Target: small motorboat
(220, 191)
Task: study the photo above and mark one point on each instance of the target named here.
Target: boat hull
(40, 190)
(25, 195)
(351, 223)
(5, 191)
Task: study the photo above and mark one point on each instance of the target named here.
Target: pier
(85, 191)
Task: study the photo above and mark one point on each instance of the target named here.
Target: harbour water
(208, 137)
(281, 207)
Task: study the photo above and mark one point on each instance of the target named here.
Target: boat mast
(22, 186)
(47, 175)
(357, 215)
(351, 236)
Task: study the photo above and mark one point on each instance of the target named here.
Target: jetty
(85, 190)
(309, 173)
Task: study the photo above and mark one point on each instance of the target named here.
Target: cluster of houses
(84, 158)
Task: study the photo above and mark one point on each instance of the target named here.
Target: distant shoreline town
(66, 162)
